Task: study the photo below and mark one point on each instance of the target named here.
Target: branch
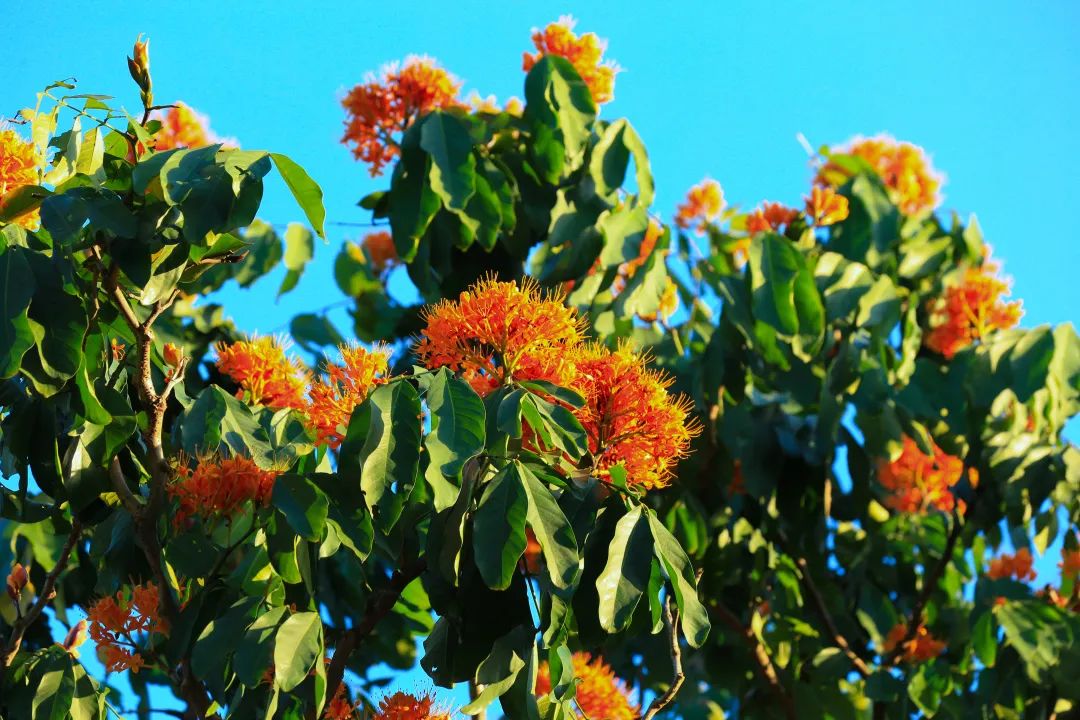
(823, 611)
(379, 606)
(23, 624)
(672, 622)
(761, 657)
(929, 586)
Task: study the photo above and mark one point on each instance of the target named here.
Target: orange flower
(770, 216)
(172, 355)
(599, 693)
(220, 487)
(825, 206)
(381, 250)
(534, 554)
(585, 53)
(263, 372)
(904, 168)
(630, 417)
(1012, 566)
(918, 482)
(114, 621)
(497, 332)
(703, 205)
(346, 385)
(920, 648)
(970, 310)
(183, 127)
(406, 706)
(1070, 563)
(377, 110)
(17, 579)
(19, 165)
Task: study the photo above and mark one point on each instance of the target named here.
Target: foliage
(790, 492)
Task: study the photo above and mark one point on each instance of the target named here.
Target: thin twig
(930, 584)
(379, 606)
(671, 620)
(47, 593)
(761, 658)
(823, 611)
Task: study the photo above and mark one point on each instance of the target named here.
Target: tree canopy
(790, 461)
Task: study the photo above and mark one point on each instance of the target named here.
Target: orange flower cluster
(825, 206)
(903, 167)
(599, 693)
(114, 621)
(19, 164)
(1070, 564)
(920, 648)
(406, 706)
(704, 203)
(669, 300)
(970, 310)
(333, 399)
(497, 332)
(919, 482)
(263, 371)
(183, 127)
(1018, 566)
(380, 108)
(630, 417)
(585, 53)
(770, 216)
(220, 488)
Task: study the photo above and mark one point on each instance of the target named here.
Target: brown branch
(823, 611)
(379, 606)
(930, 584)
(761, 658)
(48, 589)
(661, 702)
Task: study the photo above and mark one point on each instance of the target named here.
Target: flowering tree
(761, 463)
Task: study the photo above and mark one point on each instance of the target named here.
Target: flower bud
(16, 581)
(139, 67)
(173, 355)
(75, 637)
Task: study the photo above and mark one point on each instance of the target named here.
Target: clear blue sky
(991, 89)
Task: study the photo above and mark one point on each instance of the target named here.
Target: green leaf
(560, 107)
(499, 527)
(457, 423)
(55, 689)
(784, 294)
(220, 638)
(303, 504)
(217, 420)
(16, 291)
(347, 513)
(299, 249)
(453, 167)
(611, 158)
(552, 530)
(297, 647)
(308, 194)
(263, 254)
(626, 574)
(677, 567)
(254, 652)
(497, 673)
(1038, 631)
(984, 639)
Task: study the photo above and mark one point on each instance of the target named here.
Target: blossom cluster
(496, 333)
(599, 694)
(407, 706)
(267, 376)
(379, 109)
(904, 169)
(20, 164)
(1017, 566)
(584, 52)
(920, 648)
(183, 127)
(970, 310)
(115, 621)
(918, 482)
(220, 488)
